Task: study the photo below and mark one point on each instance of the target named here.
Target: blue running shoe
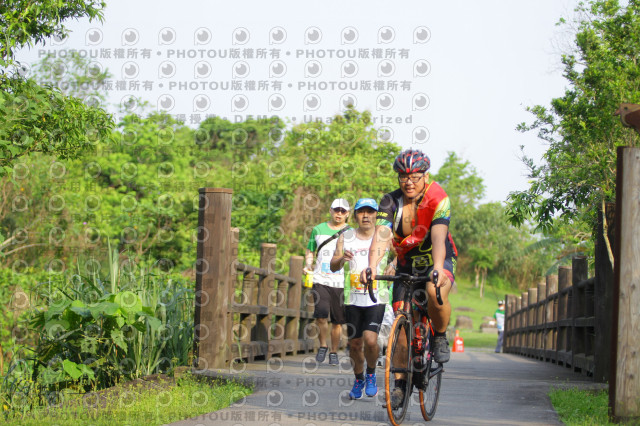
(356, 391)
(371, 388)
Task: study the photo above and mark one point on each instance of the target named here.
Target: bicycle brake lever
(435, 281)
(369, 286)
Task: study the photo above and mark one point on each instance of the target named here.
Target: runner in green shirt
(328, 286)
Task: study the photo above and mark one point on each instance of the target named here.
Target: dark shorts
(418, 290)
(328, 302)
(361, 318)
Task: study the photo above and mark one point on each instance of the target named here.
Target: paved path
(478, 388)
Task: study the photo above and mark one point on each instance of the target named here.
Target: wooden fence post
(624, 391)
(563, 343)
(603, 296)
(509, 324)
(579, 273)
(250, 321)
(518, 325)
(211, 316)
(524, 323)
(234, 337)
(293, 301)
(551, 319)
(266, 287)
(531, 335)
(234, 239)
(540, 320)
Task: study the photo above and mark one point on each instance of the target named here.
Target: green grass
(163, 402)
(580, 407)
(469, 297)
(474, 339)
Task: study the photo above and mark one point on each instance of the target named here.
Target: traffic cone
(458, 343)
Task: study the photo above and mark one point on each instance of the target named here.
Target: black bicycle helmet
(411, 161)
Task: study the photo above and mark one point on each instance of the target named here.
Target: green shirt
(322, 273)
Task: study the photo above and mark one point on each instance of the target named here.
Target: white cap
(340, 202)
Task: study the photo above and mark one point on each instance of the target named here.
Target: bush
(90, 333)
(17, 287)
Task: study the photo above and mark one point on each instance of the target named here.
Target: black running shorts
(329, 303)
(361, 318)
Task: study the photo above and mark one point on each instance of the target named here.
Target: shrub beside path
(479, 387)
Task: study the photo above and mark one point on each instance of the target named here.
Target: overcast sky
(437, 76)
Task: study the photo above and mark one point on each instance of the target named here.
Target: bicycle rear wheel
(429, 397)
(398, 361)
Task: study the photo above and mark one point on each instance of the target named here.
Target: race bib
(357, 285)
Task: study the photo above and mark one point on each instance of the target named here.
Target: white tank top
(354, 292)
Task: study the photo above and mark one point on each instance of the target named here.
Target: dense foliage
(139, 190)
(36, 117)
(26, 23)
(579, 167)
(73, 333)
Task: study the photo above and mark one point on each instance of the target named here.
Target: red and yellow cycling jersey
(414, 250)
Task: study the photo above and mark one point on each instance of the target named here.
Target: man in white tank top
(363, 316)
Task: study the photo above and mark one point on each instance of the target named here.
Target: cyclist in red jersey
(416, 218)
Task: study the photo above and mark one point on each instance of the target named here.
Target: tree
(39, 118)
(577, 175)
(483, 259)
(461, 181)
(504, 251)
(139, 187)
(26, 23)
(299, 175)
(465, 189)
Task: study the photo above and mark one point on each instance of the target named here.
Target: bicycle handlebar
(369, 286)
(409, 279)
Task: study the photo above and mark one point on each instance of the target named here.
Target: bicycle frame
(415, 365)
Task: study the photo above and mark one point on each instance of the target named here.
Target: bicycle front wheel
(398, 367)
(429, 397)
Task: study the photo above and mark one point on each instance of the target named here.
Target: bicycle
(418, 364)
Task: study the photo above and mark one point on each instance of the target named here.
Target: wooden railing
(569, 318)
(591, 325)
(272, 314)
(243, 311)
(556, 321)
